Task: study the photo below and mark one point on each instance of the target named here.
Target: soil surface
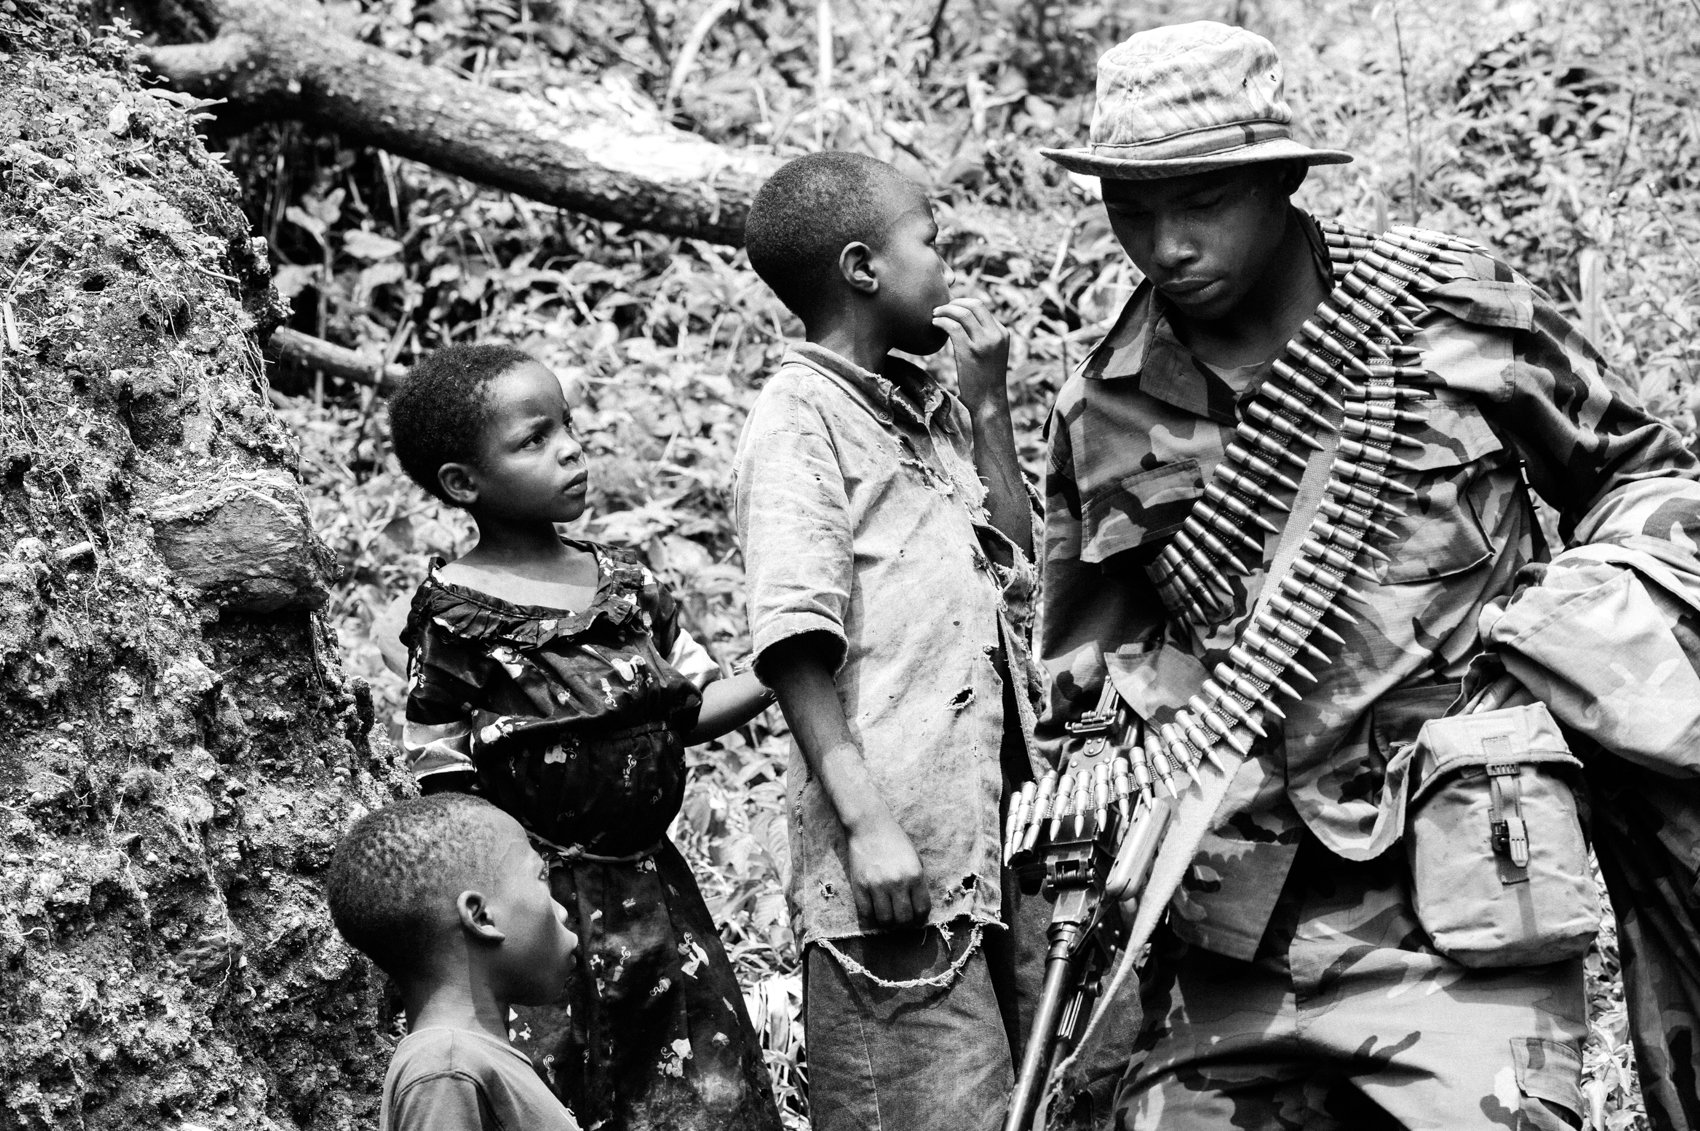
(179, 747)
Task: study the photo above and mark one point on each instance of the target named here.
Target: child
(551, 677)
(448, 897)
(887, 539)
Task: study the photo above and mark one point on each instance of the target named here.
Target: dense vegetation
(1565, 136)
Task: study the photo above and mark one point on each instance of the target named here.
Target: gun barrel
(1035, 1058)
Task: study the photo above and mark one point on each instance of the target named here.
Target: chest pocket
(1138, 509)
(1441, 533)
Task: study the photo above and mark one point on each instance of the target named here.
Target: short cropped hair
(439, 413)
(397, 870)
(805, 214)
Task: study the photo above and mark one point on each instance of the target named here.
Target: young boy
(887, 542)
(446, 894)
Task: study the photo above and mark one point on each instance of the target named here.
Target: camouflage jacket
(1520, 399)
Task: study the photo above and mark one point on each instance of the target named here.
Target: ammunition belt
(1351, 362)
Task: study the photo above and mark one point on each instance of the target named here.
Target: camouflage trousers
(1347, 1018)
(1647, 834)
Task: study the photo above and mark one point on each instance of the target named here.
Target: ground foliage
(1567, 139)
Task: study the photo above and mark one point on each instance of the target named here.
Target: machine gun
(1087, 839)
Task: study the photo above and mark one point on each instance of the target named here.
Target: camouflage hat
(1188, 99)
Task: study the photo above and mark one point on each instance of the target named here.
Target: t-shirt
(448, 1079)
(862, 518)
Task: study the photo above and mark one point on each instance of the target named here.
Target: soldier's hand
(982, 349)
(886, 876)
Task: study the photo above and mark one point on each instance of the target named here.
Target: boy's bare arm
(886, 877)
(982, 372)
(728, 704)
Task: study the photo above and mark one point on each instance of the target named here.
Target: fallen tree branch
(293, 359)
(589, 151)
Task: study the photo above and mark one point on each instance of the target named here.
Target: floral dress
(571, 722)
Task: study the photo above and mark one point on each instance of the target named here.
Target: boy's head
(414, 882)
(1192, 141)
(439, 414)
(833, 233)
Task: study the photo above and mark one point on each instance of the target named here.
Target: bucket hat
(1189, 98)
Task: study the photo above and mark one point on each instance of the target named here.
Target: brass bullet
(1214, 576)
(1341, 489)
(1221, 726)
(1178, 558)
(1225, 527)
(1328, 508)
(1122, 779)
(1363, 453)
(1352, 542)
(1381, 412)
(1181, 752)
(1082, 804)
(1257, 465)
(1304, 384)
(1366, 291)
(1335, 560)
(1379, 433)
(1291, 636)
(1219, 550)
(1292, 404)
(1449, 242)
(1358, 473)
(1402, 249)
(1262, 414)
(1344, 326)
(1310, 618)
(1280, 658)
(1229, 677)
(1359, 309)
(1259, 668)
(1060, 804)
(1222, 494)
(1221, 699)
(1195, 734)
(1140, 765)
(1385, 372)
(1335, 237)
(1044, 800)
(1335, 349)
(1233, 480)
(1378, 298)
(1267, 444)
(1101, 794)
(1389, 267)
(1157, 746)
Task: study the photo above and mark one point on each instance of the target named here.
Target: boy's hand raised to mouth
(982, 350)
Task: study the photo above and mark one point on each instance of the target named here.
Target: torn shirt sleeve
(794, 520)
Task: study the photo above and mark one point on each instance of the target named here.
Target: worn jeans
(924, 1058)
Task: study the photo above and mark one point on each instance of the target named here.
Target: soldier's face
(1206, 241)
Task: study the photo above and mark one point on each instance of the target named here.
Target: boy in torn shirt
(887, 539)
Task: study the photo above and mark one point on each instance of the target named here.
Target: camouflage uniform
(1621, 667)
(1287, 945)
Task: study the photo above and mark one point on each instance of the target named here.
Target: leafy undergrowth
(1567, 140)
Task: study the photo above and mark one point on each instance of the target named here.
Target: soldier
(1302, 459)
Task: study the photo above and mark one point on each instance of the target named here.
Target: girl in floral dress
(551, 677)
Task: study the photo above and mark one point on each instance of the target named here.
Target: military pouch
(1499, 865)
